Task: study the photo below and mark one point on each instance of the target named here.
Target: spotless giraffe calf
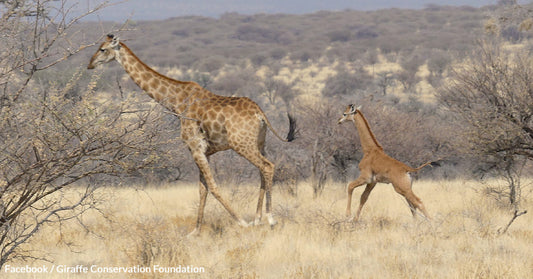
(376, 166)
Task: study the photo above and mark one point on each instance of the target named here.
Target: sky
(164, 9)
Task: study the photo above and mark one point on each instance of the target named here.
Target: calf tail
(432, 163)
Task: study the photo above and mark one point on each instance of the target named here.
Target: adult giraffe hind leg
(259, 209)
(266, 168)
(252, 149)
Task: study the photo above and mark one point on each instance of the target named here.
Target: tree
(384, 80)
(276, 88)
(346, 82)
(239, 82)
(491, 94)
(50, 144)
(372, 58)
(510, 19)
(330, 147)
(407, 76)
(408, 79)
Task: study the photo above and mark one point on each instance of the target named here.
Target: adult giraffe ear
(114, 40)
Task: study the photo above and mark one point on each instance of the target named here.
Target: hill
(146, 10)
(409, 38)
(392, 61)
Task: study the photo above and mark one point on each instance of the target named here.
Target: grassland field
(147, 228)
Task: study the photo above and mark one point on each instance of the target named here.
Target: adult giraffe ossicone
(376, 166)
(209, 123)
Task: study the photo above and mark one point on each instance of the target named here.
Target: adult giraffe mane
(156, 73)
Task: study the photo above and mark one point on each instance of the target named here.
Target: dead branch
(517, 213)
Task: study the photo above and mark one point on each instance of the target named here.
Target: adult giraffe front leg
(203, 166)
(202, 185)
(197, 144)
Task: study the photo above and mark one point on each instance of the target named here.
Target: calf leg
(364, 198)
(411, 207)
(362, 179)
(403, 187)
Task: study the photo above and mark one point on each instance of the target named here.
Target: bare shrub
(240, 260)
(240, 82)
(275, 89)
(385, 80)
(491, 95)
(50, 141)
(366, 33)
(155, 241)
(510, 20)
(346, 83)
(328, 147)
(438, 62)
(250, 32)
(342, 35)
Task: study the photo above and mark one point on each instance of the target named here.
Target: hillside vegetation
(390, 61)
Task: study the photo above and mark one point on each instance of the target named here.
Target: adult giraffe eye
(344, 114)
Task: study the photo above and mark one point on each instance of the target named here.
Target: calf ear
(359, 107)
(352, 108)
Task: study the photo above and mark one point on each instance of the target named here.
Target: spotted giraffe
(209, 123)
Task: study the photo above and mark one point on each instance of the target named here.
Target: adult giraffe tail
(291, 135)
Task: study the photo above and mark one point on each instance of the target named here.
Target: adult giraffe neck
(173, 94)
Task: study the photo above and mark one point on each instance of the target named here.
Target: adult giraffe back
(209, 123)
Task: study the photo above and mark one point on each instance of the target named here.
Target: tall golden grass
(148, 227)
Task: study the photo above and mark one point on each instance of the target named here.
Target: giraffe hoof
(194, 233)
(271, 221)
(243, 224)
(256, 222)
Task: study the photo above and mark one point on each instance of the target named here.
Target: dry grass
(312, 240)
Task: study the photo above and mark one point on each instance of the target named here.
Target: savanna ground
(148, 226)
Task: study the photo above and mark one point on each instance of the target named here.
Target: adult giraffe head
(107, 51)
